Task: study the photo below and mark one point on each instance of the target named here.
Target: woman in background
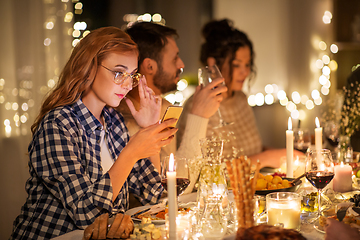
(232, 51)
(82, 161)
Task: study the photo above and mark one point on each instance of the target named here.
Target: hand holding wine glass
(319, 170)
(182, 174)
(206, 75)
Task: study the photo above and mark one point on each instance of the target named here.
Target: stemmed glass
(302, 139)
(319, 170)
(332, 132)
(182, 174)
(206, 75)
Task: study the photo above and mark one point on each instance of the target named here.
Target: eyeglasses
(120, 77)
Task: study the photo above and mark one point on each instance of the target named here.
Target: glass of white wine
(206, 75)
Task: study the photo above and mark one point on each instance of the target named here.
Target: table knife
(141, 212)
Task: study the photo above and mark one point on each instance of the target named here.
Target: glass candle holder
(283, 209)
(184, 222)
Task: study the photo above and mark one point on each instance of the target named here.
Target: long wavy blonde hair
(80, 70)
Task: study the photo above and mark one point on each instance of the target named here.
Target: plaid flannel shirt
(67, 188)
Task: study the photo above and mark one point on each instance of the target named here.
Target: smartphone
(172, 112)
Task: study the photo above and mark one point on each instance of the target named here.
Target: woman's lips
(120, 95)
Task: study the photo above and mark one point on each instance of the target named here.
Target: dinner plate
(318, 227)
(136, 209)
(289, 189)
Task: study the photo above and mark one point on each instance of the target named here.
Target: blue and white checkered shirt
(67, 188)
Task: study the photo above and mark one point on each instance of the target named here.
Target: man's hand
(150, 106)
(206, 100)
(335, 230)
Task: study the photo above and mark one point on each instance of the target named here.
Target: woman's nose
(127, 83)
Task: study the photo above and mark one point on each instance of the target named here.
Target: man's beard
(164, 81)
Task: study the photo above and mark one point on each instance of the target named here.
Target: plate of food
(157, 215)
(347, 211)
(270, 183)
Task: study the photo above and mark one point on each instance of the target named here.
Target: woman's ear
(211, 61)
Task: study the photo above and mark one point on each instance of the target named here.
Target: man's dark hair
(151, 38)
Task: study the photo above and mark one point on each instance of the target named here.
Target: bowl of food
(270, 183)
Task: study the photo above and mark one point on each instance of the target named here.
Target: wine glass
(206, 75)
(182, 174)
(302, 139)
(319, 171)
(332, 132)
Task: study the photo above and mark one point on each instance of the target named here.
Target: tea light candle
(171, 188)
(342, 181)
(183, 223)
(318, 135)
(289, 150)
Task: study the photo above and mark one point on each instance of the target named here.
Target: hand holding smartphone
(172, 112)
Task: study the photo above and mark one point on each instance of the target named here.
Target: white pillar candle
(289, 150)
(342, 181)
(318, 135)
(171, 189)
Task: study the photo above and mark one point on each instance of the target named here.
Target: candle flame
(289, 124)
(322, 167)
(171, 162)
(317, 122)
(318, 174)
(342, 164)
(296, 162)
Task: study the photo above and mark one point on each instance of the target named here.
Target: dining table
(307, 229)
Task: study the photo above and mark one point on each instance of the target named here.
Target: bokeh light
(334, 48)
(269, 99)
(259, 99)
(281, 94)
(322, 45)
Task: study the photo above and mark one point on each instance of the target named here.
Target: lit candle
(183, 223)
(342, 181)
(299, 166)
(289, 150)
(318, 135)
(171, 189)
(284, 209)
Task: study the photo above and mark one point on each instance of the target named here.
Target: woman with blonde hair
(82, 161)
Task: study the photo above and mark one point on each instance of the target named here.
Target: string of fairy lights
(273, 93)
(294, 103)
(18, 95)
